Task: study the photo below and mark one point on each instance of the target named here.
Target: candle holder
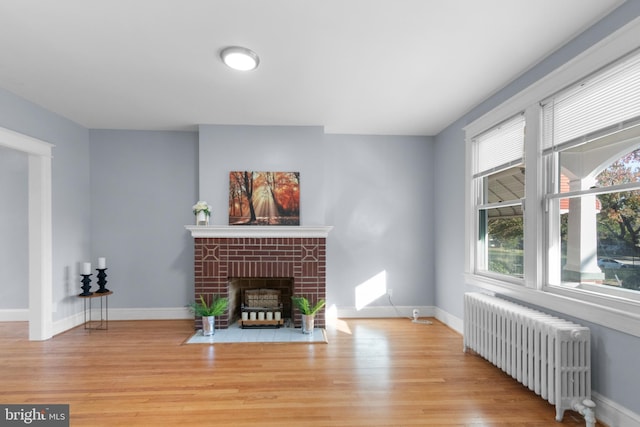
(102, 281)
(86, 285)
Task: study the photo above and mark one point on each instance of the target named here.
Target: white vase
(202, 218)
(208, 325)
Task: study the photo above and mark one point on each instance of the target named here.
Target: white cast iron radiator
(549, 355)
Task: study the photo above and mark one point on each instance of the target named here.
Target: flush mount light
(240, 58)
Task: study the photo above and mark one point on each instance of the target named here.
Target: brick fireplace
(226, 253)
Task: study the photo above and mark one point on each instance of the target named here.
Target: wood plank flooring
(373, 372)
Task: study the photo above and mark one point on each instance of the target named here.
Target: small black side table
(103, 324)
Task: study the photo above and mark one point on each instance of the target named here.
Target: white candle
(269, 315)
(261, 315)
(245, 315)
(252, 315)
(102, 263)
(86, 268)
(277, 315)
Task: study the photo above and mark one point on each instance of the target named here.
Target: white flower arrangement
(202, 206)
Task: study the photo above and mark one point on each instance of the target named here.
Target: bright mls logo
(34, 415)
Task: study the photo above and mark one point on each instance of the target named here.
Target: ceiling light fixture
(240, 58)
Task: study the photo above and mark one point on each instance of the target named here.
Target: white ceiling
(395, 67)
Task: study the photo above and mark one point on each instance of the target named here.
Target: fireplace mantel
(258, 231)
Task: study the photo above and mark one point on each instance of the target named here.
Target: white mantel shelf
(253, 231)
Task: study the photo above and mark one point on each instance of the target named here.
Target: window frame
(628, 298)
(481, 173)
(608, 310)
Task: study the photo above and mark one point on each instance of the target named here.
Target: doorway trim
(40, 230)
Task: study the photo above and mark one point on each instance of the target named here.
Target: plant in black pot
(308, 312)
(208, 312)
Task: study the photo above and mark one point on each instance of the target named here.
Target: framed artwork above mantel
(264, 198)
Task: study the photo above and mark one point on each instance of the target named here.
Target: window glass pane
(619, 238)
(600, 234)
(505, 185)
(614, 163)
(613, 257)
(622, 171)
(503, 244)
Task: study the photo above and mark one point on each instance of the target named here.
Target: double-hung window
(591, 151)
(498, 185)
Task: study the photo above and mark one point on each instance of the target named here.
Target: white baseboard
(14, 315)
(383, 312)
(450, 320)
(62, 325)
(612, 414)
(166, 313)
(69, 322)
(59, 326)
(169, 313)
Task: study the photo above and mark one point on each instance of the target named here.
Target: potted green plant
(308, 312)
(208, 312)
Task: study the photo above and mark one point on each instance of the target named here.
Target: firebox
(260, 302)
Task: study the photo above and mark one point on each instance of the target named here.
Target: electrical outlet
(390, 292)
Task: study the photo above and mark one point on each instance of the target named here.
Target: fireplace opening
(272, 293)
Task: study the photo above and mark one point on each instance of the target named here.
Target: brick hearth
(229, 254)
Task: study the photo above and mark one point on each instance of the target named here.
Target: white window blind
(605, 102)
(500, 147)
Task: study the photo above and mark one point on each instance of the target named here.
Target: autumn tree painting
(264, 198)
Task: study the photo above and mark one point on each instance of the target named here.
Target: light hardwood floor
(373, 372)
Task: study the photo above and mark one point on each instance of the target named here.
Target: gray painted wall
(143, 184)
(14, 266)
(70, 191)
(613, 359)
(378, 193)
(262, 148)
(374, 190)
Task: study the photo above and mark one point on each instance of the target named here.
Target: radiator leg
(586, 410)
